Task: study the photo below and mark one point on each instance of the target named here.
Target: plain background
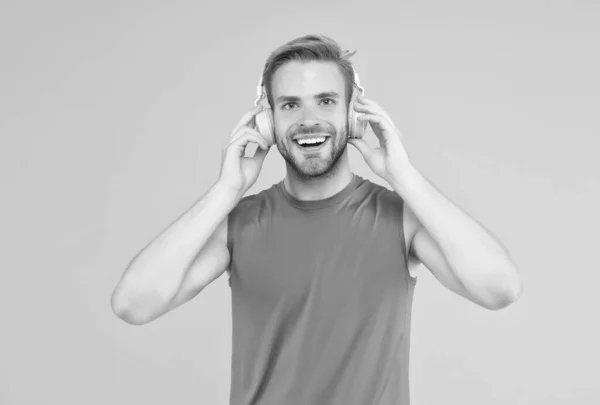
(113, 116)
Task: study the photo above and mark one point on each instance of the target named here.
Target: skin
(321, 174)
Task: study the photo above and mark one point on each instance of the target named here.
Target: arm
(460, 253)
(179, 262)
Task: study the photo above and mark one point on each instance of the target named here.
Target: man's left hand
(389, 161)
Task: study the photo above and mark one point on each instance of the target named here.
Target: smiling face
(309, 101)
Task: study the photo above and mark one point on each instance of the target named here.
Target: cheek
(281, 129)
(280, 126)
(342, 124)
(283, 124)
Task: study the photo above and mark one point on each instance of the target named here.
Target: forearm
(156, 273)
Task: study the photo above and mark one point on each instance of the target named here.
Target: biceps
(211, 262)
(426, 251)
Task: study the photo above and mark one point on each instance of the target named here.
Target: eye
(329, 100)
(285, 106)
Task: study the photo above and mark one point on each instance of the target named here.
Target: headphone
(265, 124)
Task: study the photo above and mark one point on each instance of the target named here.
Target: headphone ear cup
(351, 119)
(264, 125)
(360, 127)
(356, 128)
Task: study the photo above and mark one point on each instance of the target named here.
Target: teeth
(310, 141)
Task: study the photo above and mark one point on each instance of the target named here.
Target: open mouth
(313, 144)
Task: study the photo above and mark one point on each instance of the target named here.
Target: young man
(318, 264)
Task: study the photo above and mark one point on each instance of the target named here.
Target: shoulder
(246, 210)
(248, 205)
(366, 189)
(394, 205)
(409, 222)
(405, 217)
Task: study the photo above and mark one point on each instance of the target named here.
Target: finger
(242, 143)
(260, 154)
(377, 119)
(243, 130)
(372, 118)
(370, 109)
(365, 108)
(363, 100)
(246, 135)
(247, 118)
(380, 125)
(375, 108)
(255, 137)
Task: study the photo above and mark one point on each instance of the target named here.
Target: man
(318, 264)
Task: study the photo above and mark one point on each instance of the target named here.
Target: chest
(332, 262)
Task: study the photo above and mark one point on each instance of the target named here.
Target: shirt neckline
(322, 203)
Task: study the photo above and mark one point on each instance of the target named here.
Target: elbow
(506, 296)
(499, 304)
(129, 317)
(132, 314)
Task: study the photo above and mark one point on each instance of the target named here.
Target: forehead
(306, 78)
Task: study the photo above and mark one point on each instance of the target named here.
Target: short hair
(310, 48)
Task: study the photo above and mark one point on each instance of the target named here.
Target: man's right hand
(237, 171)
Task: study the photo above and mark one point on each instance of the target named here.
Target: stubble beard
(311, 167)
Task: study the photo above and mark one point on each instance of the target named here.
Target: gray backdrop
(113, 119)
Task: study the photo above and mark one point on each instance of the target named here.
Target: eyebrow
(325, 94)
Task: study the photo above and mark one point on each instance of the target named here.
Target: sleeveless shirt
(321, 298)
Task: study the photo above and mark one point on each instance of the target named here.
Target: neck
(319, 188)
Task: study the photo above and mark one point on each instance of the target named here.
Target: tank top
(321, 298)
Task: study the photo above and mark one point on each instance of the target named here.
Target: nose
(309, 118)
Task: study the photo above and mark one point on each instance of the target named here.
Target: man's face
(309, 99)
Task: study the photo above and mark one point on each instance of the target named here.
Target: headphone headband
(357, 82)
(259, 91)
